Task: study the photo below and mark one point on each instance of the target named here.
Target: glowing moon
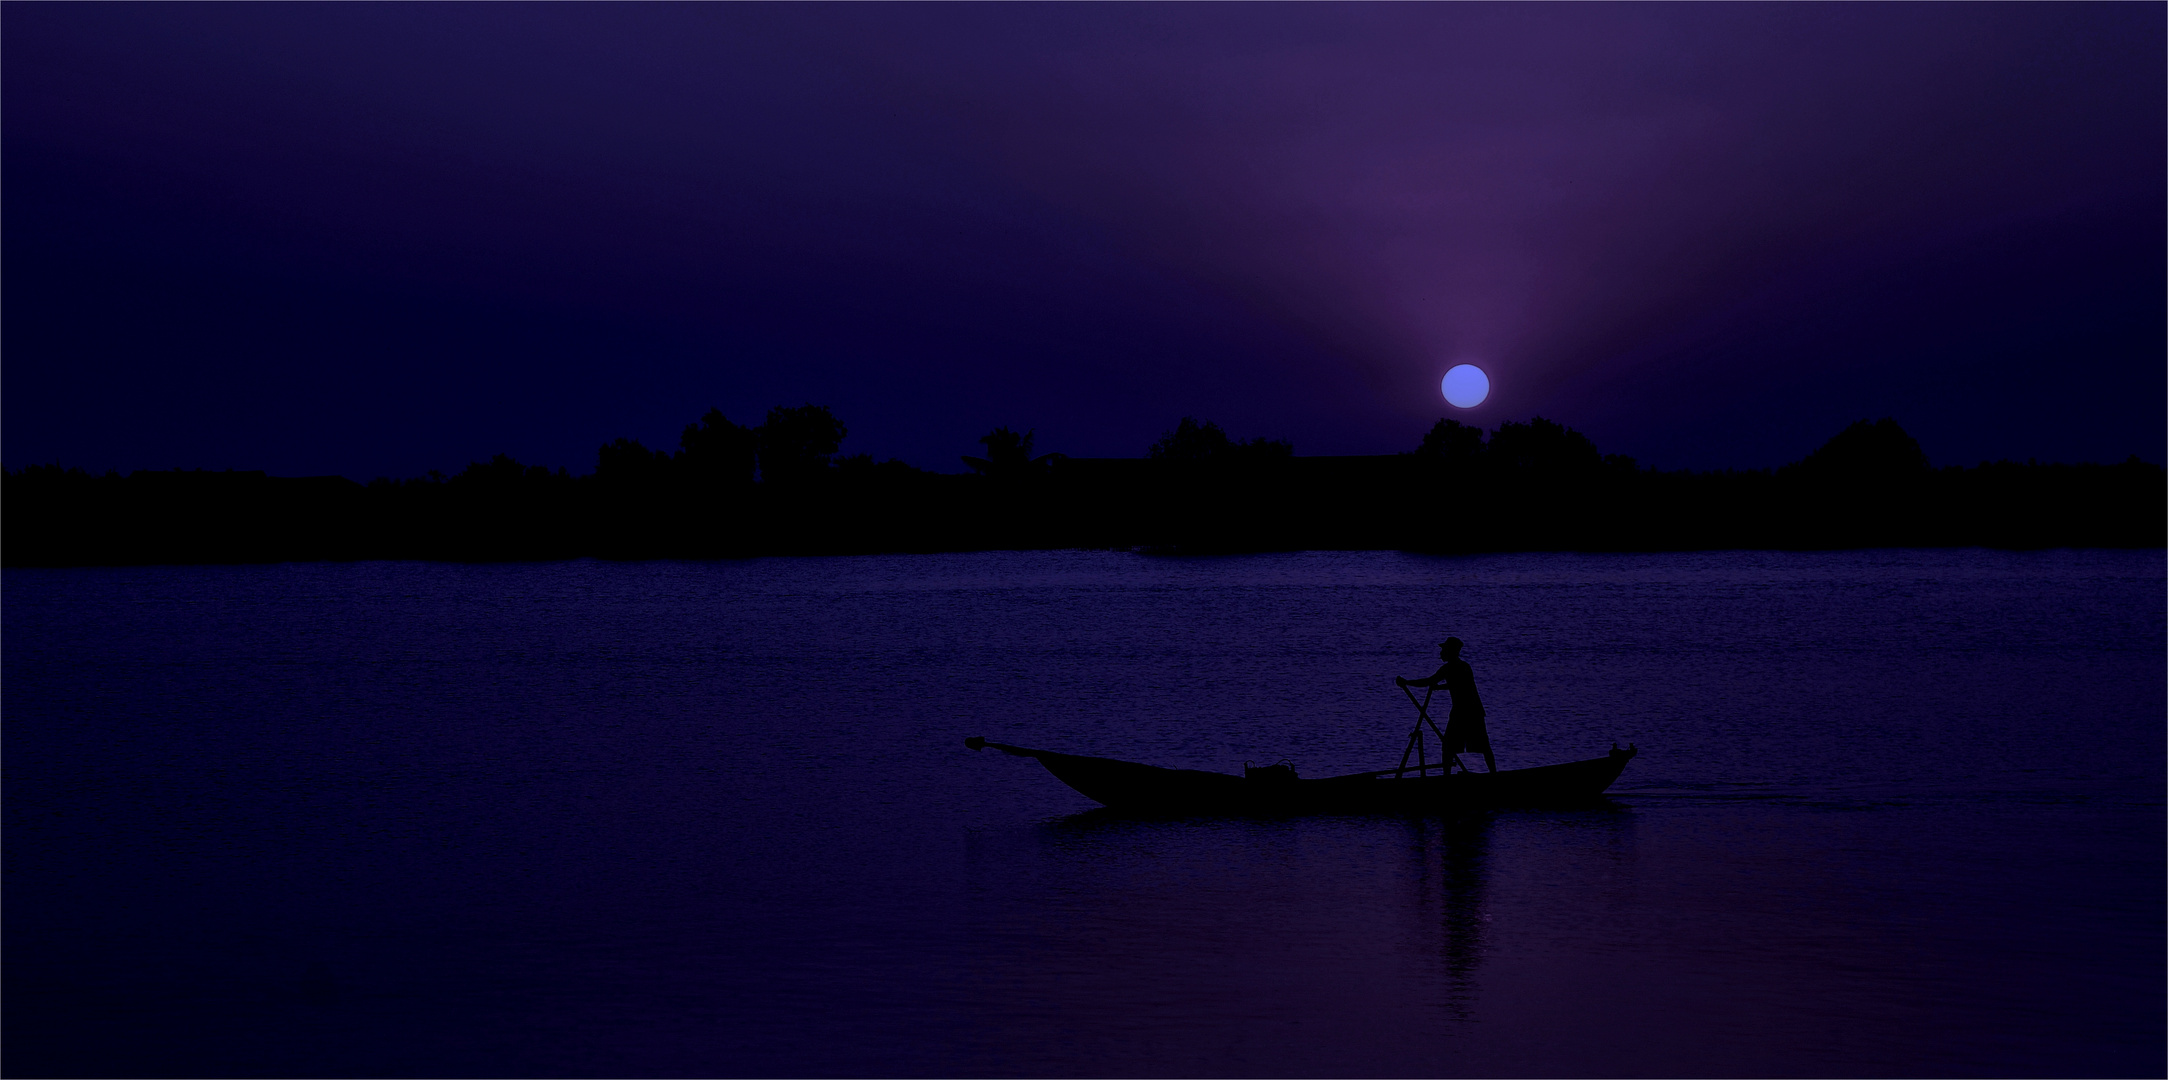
(1466, 386)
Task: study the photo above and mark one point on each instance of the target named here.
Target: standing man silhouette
(1464, 728)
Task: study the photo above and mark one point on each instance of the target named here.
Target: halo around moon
(1465, 386)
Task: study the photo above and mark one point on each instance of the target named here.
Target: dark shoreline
(1407, 502)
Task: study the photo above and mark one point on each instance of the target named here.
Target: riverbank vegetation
(784, 487)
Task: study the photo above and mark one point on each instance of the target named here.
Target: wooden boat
(1126, 785)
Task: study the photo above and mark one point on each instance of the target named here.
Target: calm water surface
(1896, 813)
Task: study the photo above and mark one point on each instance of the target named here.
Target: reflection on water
(1438, 869)
(1451, 855)
(1895, 813)
(1372, 935)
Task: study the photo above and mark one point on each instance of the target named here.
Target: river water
(1895, 813)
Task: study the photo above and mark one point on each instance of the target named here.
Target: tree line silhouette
(783, 486)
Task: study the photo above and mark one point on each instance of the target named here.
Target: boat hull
(1127, 785)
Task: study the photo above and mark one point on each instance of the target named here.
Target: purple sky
(378, 239)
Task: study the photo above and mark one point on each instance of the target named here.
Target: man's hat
(1451, 643)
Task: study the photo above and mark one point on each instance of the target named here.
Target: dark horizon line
(561, 470)
(1533, 487)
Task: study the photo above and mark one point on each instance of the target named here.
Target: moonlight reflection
(1466, 386)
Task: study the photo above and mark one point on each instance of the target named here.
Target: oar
(1422, 710)
(1415, 737)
